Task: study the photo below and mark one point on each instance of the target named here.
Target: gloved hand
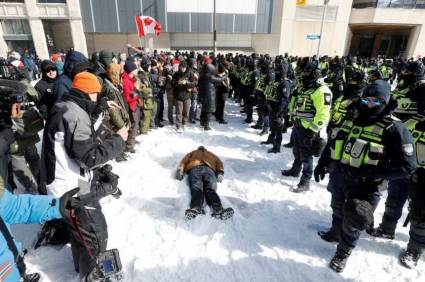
(309, 137)
(179, 175)
(107, 176)
(220, 177)
(69, 202)
(319, 172)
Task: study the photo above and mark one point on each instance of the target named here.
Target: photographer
(71, 153)
(10, 92)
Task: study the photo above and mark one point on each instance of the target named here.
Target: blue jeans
(193, 107)
(203, 185)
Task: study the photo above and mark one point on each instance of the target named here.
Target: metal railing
(406, 4)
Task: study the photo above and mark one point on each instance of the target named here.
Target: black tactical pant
(397, 196)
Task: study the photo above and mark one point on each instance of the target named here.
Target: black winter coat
(181, 92)
(207, 88)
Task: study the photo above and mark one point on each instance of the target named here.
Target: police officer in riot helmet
(370, 148)
(310, 110)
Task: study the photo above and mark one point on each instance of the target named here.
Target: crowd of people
(368, 137)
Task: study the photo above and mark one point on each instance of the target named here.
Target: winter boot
(257, 126)
(409, 258)
(339, 260)
(291, 172)
(332, 235)
(222, 214)
(274, 150)
(288, 145)
(264, 131)
(303, 186)
(193, 213)
(380, 233)
(32, 277)
(222, 121)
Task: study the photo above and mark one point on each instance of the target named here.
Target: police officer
(310, 111)
(370, 148)
(410, 102)
(409, 258)
(249, 82)
(260, 86)
(343, 104)
(335, 78)
(277, 95)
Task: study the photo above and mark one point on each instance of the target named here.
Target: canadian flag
(147, 25)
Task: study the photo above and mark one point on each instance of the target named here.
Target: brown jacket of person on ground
(201, 156)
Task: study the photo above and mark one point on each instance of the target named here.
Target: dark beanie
(129, 66)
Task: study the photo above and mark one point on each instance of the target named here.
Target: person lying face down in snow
(204, 170)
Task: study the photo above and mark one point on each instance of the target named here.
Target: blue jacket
(74, 61)
(22, 209)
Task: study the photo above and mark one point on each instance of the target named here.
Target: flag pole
(321, 27)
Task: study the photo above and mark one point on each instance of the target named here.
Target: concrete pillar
(376, 45)
(37, 30)
(416, 45)
(76, 24)
(3, 45)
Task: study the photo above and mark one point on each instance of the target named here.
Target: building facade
(356, 27)
(43, 26)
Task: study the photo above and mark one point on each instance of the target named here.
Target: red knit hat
(87, 83)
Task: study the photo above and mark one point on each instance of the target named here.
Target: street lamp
(321, 27)
(214, 31)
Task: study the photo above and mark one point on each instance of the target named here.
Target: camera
(109, 264)
(11, 92)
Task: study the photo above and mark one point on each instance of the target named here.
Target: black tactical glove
(179, 175)
(107, 176)
(319, 172)
(69, 202)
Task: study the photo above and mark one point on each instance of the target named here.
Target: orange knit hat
(87, 83)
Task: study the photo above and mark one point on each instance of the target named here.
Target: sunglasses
(375, 102)
(50, 69)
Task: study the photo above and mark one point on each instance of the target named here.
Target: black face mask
(308, 80)
(408, 78)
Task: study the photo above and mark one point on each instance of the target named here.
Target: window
(51, 1)
(11, 27)
(406, 4)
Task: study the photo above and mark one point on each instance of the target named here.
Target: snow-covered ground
(272, 236)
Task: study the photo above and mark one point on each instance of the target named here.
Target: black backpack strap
(19, 260)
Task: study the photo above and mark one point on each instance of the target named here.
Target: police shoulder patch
(408, 149)
(328, 99)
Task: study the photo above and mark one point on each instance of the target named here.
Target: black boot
(121, 157)
(257, 126)
(380, 233)
(268, 141)
(193, 212)
(339, 260)
(222, 214)
(332, 235)
(409, 258)
(303, 186)
(264, 131)
(291, 172)
(288, 145)
(274, 150)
